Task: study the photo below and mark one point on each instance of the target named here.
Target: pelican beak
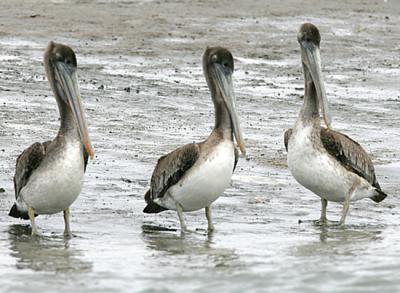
(67, 86)
(311, 58)
(223, 82)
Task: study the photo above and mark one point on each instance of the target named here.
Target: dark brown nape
(60, 53)
(56, 52)
(214, 55)
(218, 55)
(211, 57)
(309, 33)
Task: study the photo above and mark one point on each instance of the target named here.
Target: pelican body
(325, 161)
(193, 176)
(49, 176)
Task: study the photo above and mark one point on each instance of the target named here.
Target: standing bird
(327, 162)
(49, 176)
(193, 176)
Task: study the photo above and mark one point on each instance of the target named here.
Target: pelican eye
(59, 57)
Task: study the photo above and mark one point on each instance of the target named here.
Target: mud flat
(143, 89)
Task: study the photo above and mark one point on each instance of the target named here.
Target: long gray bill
(68, 83)
(224, 85)
(314, 65)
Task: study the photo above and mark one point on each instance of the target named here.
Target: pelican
(49, 176)
(193, 176)
(325, 161)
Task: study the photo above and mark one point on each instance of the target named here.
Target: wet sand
(144, 93)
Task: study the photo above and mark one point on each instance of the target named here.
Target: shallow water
(144, 94)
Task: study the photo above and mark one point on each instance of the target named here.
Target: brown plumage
(172, 167)
(193, 176)
(327, 162)
(309, 32)
(27, 162)
(169, 170)
(60, 65)
(349, 154)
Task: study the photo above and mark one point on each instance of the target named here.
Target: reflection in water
(187, 247)
(348, 234)
(347, 257)
(44, 253)
(346, 240)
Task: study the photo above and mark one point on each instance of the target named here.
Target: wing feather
(288, 134)
(85, 158)
(171, 168)
(236, 159)
(27, 162)
(350, 154)
(347, 151)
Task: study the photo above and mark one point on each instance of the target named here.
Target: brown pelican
(327, 162)
(193, 176)
(49, 176)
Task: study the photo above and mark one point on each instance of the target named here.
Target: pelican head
(309, 39)
(61, 70)
(218, 69)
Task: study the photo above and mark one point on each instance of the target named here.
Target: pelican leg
(67, 230)
(31, 214)
(179, 210)
(209, 219)
(322, 220)
(346, 204)
(324, 204)
(345, 210)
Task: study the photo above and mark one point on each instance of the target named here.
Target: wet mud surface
(142, 86)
